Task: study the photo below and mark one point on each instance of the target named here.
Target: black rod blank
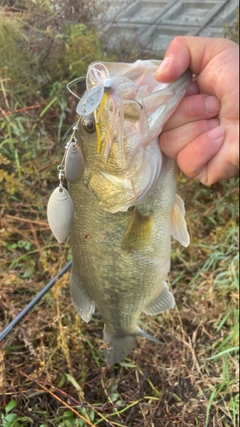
(34, 301)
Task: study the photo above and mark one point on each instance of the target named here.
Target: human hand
(202, 133)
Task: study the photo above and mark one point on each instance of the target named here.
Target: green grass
(52, 371)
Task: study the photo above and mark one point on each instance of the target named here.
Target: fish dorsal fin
(163, 302)
(138, 232)
(179, 227)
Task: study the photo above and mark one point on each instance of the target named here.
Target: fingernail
(212, 104)
(213, 123)
(163, 67)
(216, 134)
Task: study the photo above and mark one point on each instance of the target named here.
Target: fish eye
(88, 124)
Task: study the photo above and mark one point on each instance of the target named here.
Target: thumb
(188, 52)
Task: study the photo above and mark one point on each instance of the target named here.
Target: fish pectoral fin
(163, 302)
(118, 347)
(179, 227)
(138, 232)
(82, 302)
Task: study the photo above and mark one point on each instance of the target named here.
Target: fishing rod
(35, 300)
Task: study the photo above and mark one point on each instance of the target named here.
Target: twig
(20, 110)
(32, 221)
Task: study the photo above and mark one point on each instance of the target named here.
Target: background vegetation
(52, 372)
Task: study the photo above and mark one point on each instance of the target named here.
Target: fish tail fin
(119, 347)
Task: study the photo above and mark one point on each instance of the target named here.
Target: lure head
(119, 136)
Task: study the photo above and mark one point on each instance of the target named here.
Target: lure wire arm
(77, 80)
(35, 300)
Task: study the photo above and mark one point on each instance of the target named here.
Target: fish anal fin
(163, 302)
(82, 302)
(179, 227)
(138, 232)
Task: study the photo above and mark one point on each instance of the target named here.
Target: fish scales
(125, 211)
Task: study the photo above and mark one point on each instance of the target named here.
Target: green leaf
(91, 415)
(11, 417)
(81, 423)
(73, 382)
(24, 244)
(228, 350)
(29, 271)
(62, 381)
(48, 106)
(68, 414)
(12, 404)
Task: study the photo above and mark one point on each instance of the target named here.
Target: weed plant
(52, 371)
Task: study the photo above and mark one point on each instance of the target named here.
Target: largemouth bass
(125, 204)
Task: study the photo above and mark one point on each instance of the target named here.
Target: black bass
(125, 204)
